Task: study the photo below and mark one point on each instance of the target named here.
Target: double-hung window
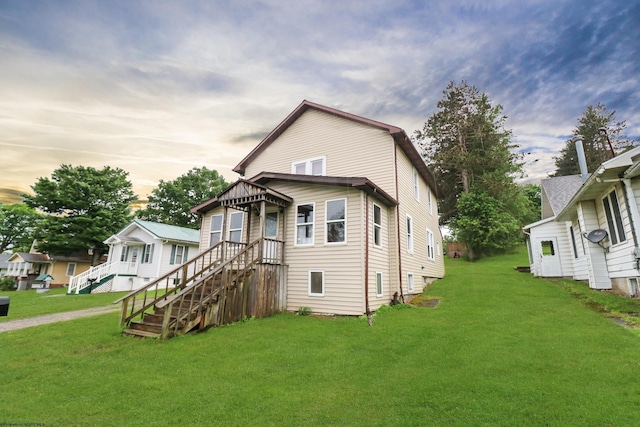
(336, 221)
(216, 230)
(416, 185)
(147, 253)
(71, 269)
(124, 255)
(430, 246)
(377, 225)
(179, 254)
(235, 227)
(409, 234)
(315, 166)
(429, 201)
(614, 218)
(304, 224)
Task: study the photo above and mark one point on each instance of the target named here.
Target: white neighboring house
(602, 221)
(138, 254)
(548, 241)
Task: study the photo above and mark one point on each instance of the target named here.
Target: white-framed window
(614, 218)
(124, 254)
(336, 221)
(377, 225)
(431, 250)
(314, 166)
(215, 234)
(416, 185)
(410, 282)
(147, 253)
(429, 201)
(316, 283)
(134, 255)
(236, 219)
(179, 254)
(379, 289)
(71, 269)
(409, 234)
(304, 224)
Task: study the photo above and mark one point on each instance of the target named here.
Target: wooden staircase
(222, 285)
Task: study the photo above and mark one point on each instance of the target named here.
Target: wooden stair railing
(219, 297)
(188, 308)
(141, 300)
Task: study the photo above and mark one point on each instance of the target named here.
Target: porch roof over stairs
(241, 195)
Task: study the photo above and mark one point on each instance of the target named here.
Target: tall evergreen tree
(84, 206)
(595, 125)
(171, 201)
(467, 146)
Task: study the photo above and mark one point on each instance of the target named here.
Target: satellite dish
(597, 236)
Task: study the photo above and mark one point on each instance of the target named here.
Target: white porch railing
(98, 272)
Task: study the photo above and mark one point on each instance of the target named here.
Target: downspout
(366, 260)
(395, 160)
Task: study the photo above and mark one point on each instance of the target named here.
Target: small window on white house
(315, 166)
(179, 254)
(336, 221)
(235, 226)
(147, 253)
(316, 283)
(216, 230)
(124, 255)
(614, 218)
(377, 225)
(416, 185)
(409, 234)
(378, 284)
(71, 269)
(304, 224)
(430, 246)
(410, 282)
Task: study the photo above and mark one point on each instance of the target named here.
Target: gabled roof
(29, 257)
(170, 232)
(157, 230)
(242, 194)
(399, 136)
(559, 190)
(623, 165)
(360, 183)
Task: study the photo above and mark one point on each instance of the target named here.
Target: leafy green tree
(595, 125)
(18, 224)
(83, 207)
(485, 225)
(466, 145)
(171, 201)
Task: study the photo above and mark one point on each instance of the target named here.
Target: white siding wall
(351, 149)
(558, 232)
(596, 265)
(382, 258)
(580, 267)
(620, 261)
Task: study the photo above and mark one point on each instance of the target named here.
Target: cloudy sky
(159, 87)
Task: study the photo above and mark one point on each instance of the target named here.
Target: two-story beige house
(352, 201)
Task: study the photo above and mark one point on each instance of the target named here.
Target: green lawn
(501, 349)
(30, 303)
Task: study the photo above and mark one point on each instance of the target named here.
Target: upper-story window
(614, 218)
(377, 225)
(416, 185)
(431, 252)
(314, 166)
(429, 201)
(409, 234)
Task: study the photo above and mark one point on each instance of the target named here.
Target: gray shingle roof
(559, 191)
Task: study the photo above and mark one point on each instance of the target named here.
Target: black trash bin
(4, 306)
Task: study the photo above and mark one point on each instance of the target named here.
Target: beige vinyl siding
(343, 264)
(205, 227)
(423, 269)
(350, 148)
(382, 258)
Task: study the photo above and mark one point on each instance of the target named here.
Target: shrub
(7, 283)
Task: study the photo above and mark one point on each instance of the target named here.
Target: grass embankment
(31, 303)
(502, 348)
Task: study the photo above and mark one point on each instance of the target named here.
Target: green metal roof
(170, 232)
